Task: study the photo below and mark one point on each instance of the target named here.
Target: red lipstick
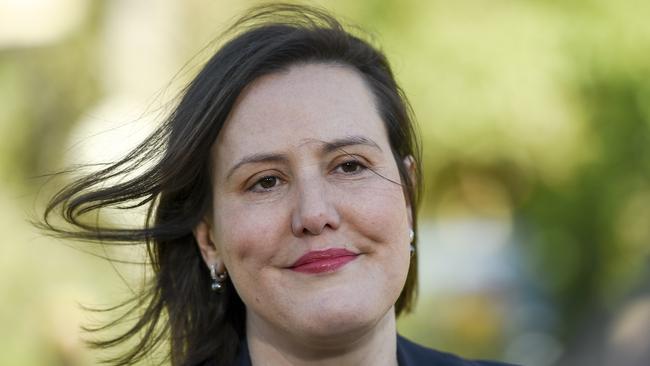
(327, 260)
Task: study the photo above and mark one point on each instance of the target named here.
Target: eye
(265, 184)
(351, 167)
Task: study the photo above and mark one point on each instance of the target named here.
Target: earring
(217, 278)
(411, 237)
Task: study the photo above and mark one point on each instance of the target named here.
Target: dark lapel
(243, 356)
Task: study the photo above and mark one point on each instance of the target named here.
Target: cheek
(246, 233)
(380, 214)
(379, 210)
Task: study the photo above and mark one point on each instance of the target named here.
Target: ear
(411, 166)
(205, 240)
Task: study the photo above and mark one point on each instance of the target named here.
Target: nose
(315, 209)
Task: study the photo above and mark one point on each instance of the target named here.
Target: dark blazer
(411, 354)
(408, 354)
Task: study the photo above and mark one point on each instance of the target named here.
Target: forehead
(308, 102)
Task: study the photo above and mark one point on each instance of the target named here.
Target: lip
(319, 261)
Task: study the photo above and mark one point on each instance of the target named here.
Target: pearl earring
(217, 278)
(411, 237)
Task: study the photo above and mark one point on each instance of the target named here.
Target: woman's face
(308, 219)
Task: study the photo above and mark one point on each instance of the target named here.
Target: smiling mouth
(328, 260)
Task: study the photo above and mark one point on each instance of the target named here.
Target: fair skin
(304, 164)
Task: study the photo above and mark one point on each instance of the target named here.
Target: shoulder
(411, 354)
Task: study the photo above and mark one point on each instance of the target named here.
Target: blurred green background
(535, 120)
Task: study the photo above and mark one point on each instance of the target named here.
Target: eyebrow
(337, 144)
(327, 147)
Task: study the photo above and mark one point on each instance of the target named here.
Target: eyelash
(359, 168)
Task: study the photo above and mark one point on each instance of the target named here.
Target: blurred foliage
(536, 113)
(44, 91)
(593, 231)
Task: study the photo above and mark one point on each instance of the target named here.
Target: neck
(375, 345)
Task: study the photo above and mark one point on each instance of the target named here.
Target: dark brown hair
(175, 186)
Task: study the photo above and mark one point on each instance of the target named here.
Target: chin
(337, 317)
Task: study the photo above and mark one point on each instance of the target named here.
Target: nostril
(316, 222)
(314, 210)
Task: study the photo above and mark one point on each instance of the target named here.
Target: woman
(282, 194)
